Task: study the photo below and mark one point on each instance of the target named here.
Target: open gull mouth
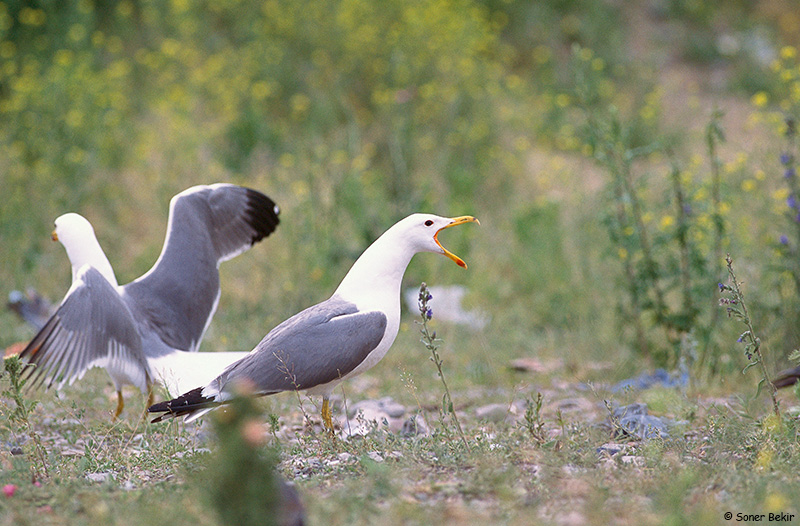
(453, 222)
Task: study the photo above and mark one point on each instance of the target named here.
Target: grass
(131, 471)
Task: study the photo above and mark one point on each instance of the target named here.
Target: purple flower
(786, 158)
(784, 240)
(797, 218)
(430, 297)
(721, 286)
(739, 339)
(789, 173)
(687, 209)
(791, 202)
(429, 313)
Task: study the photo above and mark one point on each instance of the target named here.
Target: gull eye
(428, 222)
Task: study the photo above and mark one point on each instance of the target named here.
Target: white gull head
(77, 235)
(374, 280)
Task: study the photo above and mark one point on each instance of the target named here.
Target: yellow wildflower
(780, 194)
(788, 52)
(775, 502)
(760, 99)
(764, 458)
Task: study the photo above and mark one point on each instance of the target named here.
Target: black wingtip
(185, 404)
(262, 214)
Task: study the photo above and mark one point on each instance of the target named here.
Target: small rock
(532, 365)
(346, 457)
(374, 455)
(632, 459)
(364, 422)
(415, 425)
(634, 420)
(659, 377)
(493, 412)
(385, 405)
(100, 477)
(611, 449)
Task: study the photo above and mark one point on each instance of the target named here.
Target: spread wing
(207, 225)
(92, 327)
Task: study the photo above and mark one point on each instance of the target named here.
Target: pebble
(100, 477)
(346, 457)
(493, 412)
(384, 405)
(374, 455)
(415, 425)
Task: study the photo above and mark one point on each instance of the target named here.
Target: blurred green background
(578, 132)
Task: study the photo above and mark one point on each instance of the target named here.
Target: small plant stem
(623, 222)
(714, 136)
(683, 245)
(429, 339)
(739, 309)
(21, 414)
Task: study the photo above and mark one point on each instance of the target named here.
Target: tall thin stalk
(737, 308)
(714, 136)
(429, 340)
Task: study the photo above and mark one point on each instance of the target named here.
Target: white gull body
(147, 331)
(336, 339)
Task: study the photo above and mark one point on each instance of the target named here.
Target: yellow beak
(54, 236)
(453, 222)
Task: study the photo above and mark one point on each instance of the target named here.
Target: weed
(734, 304)
(20, 416)
(659, 262)
(533, 422)
(430, 342)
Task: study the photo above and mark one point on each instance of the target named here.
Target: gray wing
(91, 327)
(314, 347)
(207, 225)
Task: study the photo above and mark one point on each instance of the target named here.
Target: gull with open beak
(337, 339)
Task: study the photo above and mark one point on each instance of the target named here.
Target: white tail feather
(181, 371)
